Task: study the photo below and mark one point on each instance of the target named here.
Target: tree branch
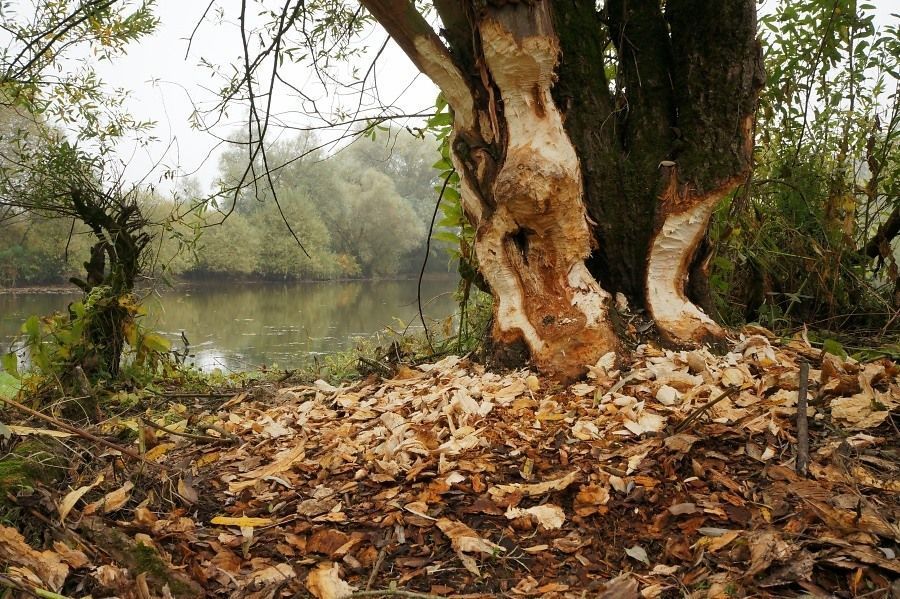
(886, 233)
(427, 52)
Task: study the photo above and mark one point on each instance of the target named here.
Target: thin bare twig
(82, 433)
(437, 206)
(205, 438)
(704, 408)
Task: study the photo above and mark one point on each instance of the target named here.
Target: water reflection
(244, 325)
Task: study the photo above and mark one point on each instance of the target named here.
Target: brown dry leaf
(680, 509)
(283, 461)
(74, 557)
(327, 541)
(848, 521)
(464, 541)
(681, 442)
(47, 566)
(590, 499)
(537, 489)
(570, 543)
(112, 501)
(716, 542)
(186, 489)
(858, 411)
(325, 582)
(623, 586)
(72, 498)
(112, 577)
(548, 516)
(766, 547)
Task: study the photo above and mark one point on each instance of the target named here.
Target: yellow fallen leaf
(72, 498)
(158, 451)
(207, 458)
(243, 521)
(113, 501)
(24, 431)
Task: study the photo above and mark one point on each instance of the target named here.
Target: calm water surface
(241, 326)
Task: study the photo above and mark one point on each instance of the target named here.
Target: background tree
(53, 105)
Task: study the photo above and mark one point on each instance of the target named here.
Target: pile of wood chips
(674, 478)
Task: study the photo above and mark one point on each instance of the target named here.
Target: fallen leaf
(465, 540)
(766, 547)
(327, 541)
(241, 522)
(548, 516)
(325, 582)
(283, 461)
(71, 498)
(681, 509)
(666, 395)
(590, 499)
(639, 553)
(24, 431)
(47, 566)
(681, 442)
(75, 558)
(271, 574)
(111, 502)
(534, 490)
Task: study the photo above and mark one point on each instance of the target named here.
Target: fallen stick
(704, 408)
(82, 433)
(802, 461)
(205, 438)
(208, 395)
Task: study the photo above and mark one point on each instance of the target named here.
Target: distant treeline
(361, 213)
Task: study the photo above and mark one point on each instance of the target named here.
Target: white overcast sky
(165, 86)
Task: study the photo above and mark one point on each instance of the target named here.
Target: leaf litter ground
(673, 478)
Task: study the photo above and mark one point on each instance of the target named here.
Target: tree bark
(577, 183)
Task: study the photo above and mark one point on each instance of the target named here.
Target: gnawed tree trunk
(577, 187)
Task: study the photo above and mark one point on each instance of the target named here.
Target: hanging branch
(425, 261)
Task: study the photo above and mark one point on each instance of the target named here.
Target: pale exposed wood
(531, 246)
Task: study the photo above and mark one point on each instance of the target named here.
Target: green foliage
(791, 244)
(38, 78)
(453, 228)
(9, 384)
(360, 212)
(57, 343)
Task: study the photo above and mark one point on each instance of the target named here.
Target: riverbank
(187, 283)
(677, 479)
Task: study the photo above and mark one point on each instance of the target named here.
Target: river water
(242, 326)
